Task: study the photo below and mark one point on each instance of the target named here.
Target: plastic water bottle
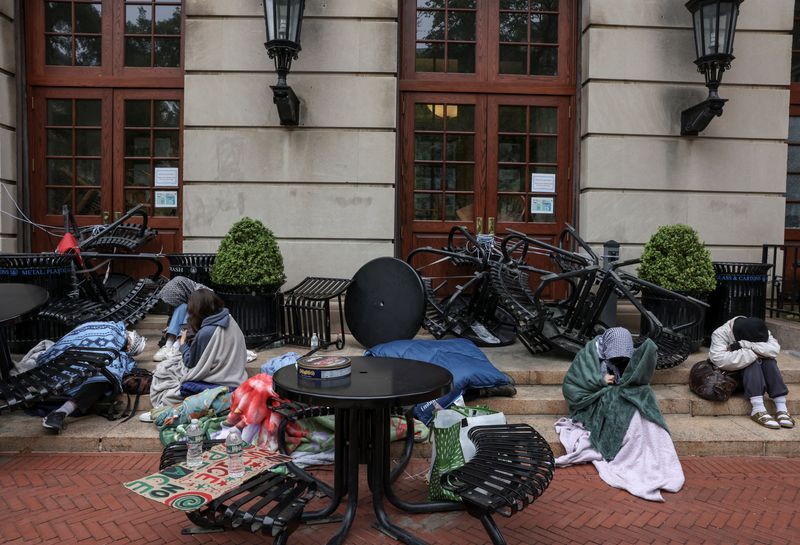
(194, 449)
(234, 446)
(314, 342)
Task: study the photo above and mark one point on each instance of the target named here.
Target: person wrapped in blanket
(614, 421)
(746, 346)
(102, 335)
(212, 350)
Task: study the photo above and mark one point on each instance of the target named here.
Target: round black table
(18, 300)
(362, 403)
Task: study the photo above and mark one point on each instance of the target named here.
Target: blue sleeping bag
(469, 366)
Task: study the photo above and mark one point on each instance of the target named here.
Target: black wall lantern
(714, 27)
(284, 19)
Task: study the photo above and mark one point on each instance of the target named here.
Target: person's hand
(733, 347)
(610, 379)
(183, 336)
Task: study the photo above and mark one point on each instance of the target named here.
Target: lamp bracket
(288, 104)
(697, 118)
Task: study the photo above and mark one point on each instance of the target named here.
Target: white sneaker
(145, 417)
(165, 352)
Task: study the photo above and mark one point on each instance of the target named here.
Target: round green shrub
(676, 259)
(248, 256)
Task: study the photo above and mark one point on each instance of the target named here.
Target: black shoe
(56, 421)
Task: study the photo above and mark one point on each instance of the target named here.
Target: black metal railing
(783, 289)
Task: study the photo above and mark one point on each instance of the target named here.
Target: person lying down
(614, 421)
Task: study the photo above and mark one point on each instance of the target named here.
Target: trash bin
(741, 291)
(196, 267)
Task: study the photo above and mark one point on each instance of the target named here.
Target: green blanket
(606, 410)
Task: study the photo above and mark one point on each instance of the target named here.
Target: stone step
(672, 399)
(693, 436)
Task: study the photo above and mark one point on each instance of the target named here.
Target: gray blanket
(222, 363)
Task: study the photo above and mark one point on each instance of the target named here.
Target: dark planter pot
(257, 310)
(673, 312)
(741, 291)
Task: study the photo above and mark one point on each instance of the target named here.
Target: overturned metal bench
(270, 503)
(512, 467)
(70, 369)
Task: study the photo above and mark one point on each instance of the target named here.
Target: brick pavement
(77, 498)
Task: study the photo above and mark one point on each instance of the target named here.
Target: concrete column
(326, 188)
(637, 172)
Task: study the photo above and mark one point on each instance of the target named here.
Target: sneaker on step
(55, 421)
(164, 352)
(145, 417)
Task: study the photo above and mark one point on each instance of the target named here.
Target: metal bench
(270, 503)
(512, 467)
(54, 378)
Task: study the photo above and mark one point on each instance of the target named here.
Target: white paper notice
(543, 183)
(166, 199)
(166, 177)
(540, 205)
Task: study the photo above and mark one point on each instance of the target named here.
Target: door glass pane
(138, 19)
(427, 177)
(59, 142)
(138, 51)
(543, 150)
(87, 113)
(544, 61)
(511, 208)
(57, 198)
(137, 143)
(544, 120)
(87, 202)
(511, 149)
(137, 196)
(429, 117)
(460, 147)
(544, 29)
(461, 25)
(459, 207)
(88, 19)
(430, 57)
(460, 177)
(168, 113)
(513, 59)
(461, 58)
(428, 147)
(427, 206)
(168, 20)
(88, 172)
(59, 171)
(87, 142)
(165, 143)
(58, 50)
(430, 25)
(460, 117)
(511, 178)
(59, 112)
(137, 172)
(512, 119)
(58, 17)
(87, 51)
(514, 27)
(137, 113)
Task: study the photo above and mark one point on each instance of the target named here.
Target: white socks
(780, 404)
(170, 342)
(68, 408)
(758, 405)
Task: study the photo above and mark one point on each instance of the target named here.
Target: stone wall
(8, 124)
(637, 172)
(326, 188)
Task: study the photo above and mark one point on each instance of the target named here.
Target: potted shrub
(248, 273)
(676, 259)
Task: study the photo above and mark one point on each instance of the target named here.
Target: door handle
(490, 228)
(478, 225)
(105, 215)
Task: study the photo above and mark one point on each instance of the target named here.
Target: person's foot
(145, 417)
(56, 421)
(766, 420)
(164, 352)
(784, 419)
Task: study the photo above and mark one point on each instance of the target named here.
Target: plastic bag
(710, 382)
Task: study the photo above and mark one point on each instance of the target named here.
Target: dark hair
(202, 304)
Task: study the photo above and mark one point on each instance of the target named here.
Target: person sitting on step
(746, 345)
(176, 294)
(101, 335)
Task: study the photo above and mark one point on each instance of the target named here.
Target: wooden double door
(490, 162)
(103, 151)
